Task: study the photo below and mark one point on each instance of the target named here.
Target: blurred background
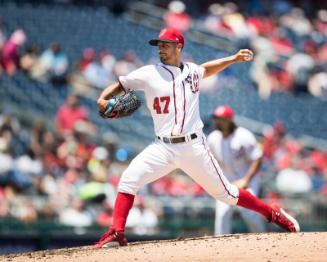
(60, 162)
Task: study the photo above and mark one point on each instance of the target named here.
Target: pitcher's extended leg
(151, 164)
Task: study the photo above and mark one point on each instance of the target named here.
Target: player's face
(168, 52)
(222, 124)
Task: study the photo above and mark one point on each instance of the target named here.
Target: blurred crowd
(294, 167)
(290, 43)
(64, 174)
(91, 73)
(94, 72)
(69, 175)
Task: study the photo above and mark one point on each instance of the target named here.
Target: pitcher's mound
(273, 247)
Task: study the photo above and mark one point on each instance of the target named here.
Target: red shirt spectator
(282, 46)
(262, 25)
(10, 52)
(273, 139)
(176, 17)
(87, 58)
(69, 114)
(319, 160)
(104, 218)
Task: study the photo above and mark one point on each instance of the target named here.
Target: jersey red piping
(172, 75)
(184, 107)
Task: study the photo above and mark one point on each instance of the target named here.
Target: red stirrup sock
(249, 201)
(123, 204)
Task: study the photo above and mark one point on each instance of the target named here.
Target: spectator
(51, 66)
(320, 23)
(318, 160)
(24, 210)
(70, 114)
(160, 187)
(213, 22)
(92, 72)
(9, 129)
(142, 220)
(76, 215)
(293, 180)
(129, 63)
(29, 59)
(76, 78)
(235, 21)
(317, 85)
(10, 53)
(98, 165)
(6, 160)
(108, 62)
(104, 218)
(4, 208)
(96, 75)
(297, 23)
(87, 58)
(47, 211)
(10, 132)
(29, 164)
(299, 66)
(273, 139)
(179, 185)
(48, 185)
(259, 71)
(37, 137)
(51, 162)
(261, 25)
(176, 17)
(27, 169)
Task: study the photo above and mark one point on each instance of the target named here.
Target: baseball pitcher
(172, 89)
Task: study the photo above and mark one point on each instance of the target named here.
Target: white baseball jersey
(236, 152)
(172, 96)
(235, 155)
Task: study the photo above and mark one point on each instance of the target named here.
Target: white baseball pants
(193, 157)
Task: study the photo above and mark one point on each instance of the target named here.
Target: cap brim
(154, 42)
(220, 117)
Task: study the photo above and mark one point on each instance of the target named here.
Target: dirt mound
(263, 247)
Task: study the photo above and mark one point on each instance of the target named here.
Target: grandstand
(44, 26)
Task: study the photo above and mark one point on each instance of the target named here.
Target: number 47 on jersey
(161, 104)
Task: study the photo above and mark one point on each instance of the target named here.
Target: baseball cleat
(281, 218)
(111, 238)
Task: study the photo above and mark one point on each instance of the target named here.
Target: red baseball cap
(224, 112)
(168, 35)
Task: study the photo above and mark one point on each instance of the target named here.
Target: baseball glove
(121, 106)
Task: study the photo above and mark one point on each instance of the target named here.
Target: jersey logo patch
(240, 153)
(193, 81)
